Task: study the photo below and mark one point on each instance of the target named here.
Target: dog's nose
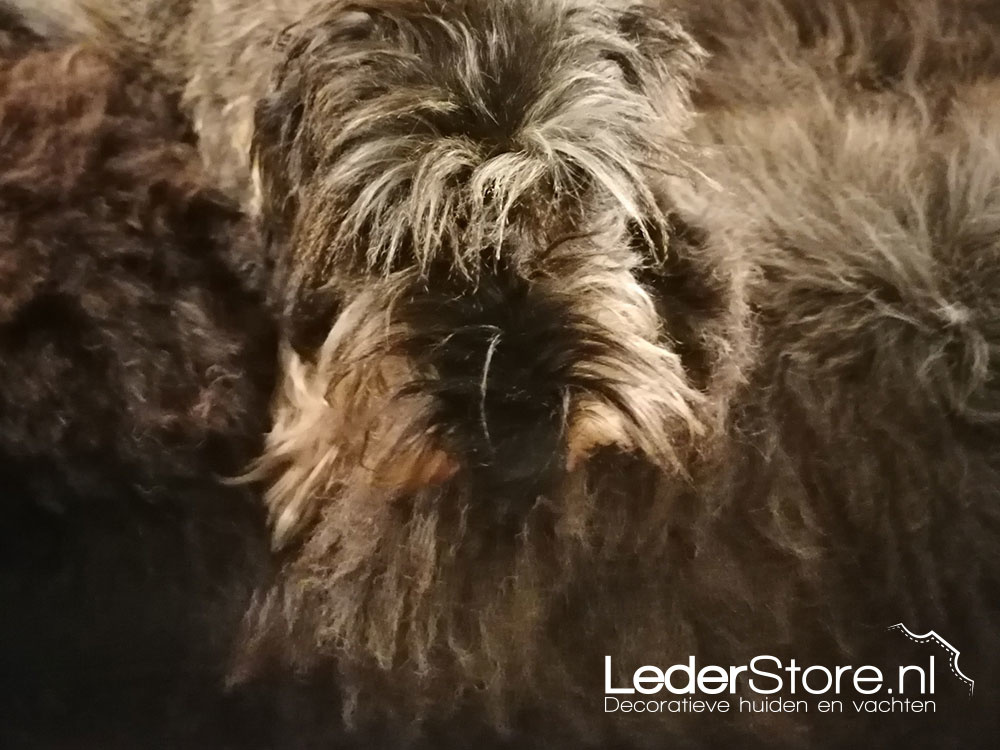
(509, 429)
(525, 443)
(502, 370)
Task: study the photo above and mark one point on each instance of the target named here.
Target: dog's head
(491, 309)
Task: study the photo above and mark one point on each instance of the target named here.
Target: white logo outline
(931, 637)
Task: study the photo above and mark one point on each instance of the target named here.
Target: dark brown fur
(128, 391)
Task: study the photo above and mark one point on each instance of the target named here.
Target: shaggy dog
(568, 372)
(128, 389)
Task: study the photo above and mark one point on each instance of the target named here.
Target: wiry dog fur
(467, 237)
(128, 391)
(525, 420)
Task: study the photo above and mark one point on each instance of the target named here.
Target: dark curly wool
(651, 330)
(136, 362)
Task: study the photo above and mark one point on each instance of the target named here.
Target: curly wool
(113, 244)
(136, 363)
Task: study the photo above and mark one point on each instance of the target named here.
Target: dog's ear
(657, 57)
(281, 152)
(658, 61)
